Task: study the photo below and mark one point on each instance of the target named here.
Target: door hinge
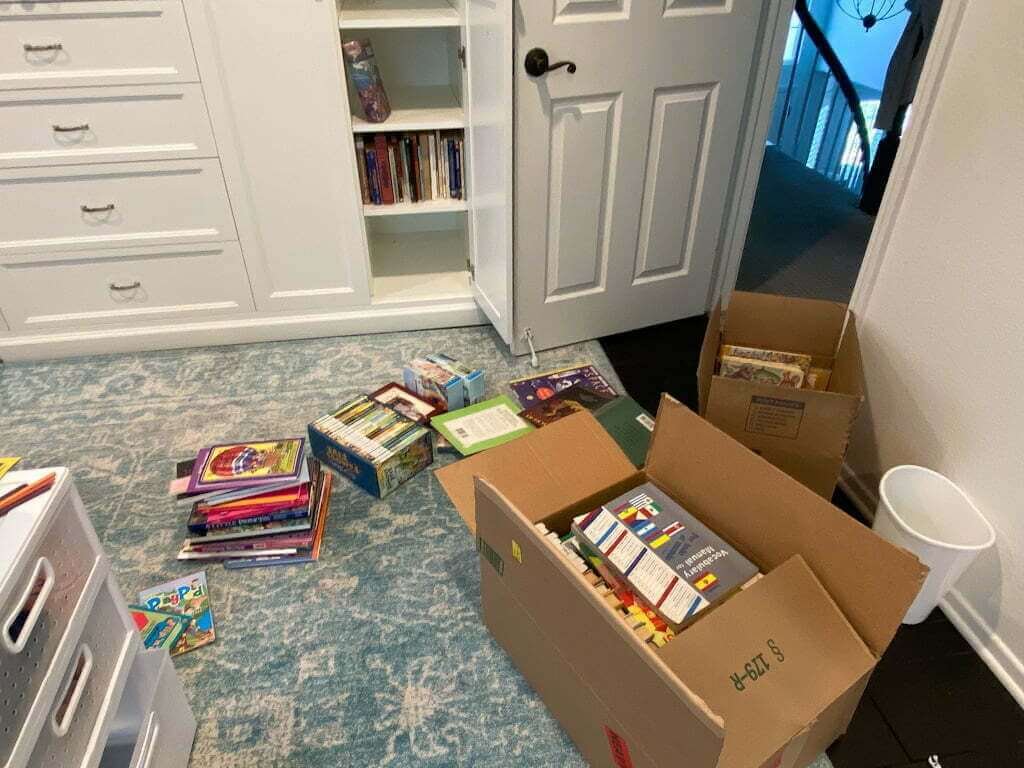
(462, 55)
(471, 269)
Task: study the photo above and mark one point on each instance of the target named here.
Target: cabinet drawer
(154, 727)
(41, 619)
(94, 125)
(83, 711)
(121, 42)
(124, 287)
(110, 205)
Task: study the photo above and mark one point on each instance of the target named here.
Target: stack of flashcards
(672, 561)
(372, 444)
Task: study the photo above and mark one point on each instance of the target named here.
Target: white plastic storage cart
(76, 687)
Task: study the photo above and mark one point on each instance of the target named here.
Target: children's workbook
(567, 402)
(237, 465)
(190, 596)
(533, 389)
(158, 628)
(482, 426)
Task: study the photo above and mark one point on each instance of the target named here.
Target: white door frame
(735, 228)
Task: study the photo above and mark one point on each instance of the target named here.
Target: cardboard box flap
(784, 323)
(708, 357)
(847, 370)
(872, 581)
(541, 472)
(770, 660)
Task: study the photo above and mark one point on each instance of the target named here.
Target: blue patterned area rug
(374, 656)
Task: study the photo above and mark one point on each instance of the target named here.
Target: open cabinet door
(489, 137)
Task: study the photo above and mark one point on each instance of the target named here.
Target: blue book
(458, 169)
(371, 169)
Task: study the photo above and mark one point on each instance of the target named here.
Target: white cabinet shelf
(419, 265)
(388, 14)
(426, 108)
(405, 209)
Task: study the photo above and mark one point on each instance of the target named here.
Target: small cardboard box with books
(801, 420)
(766, 678)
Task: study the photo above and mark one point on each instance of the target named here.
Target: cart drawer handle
(70, 128)
(64, 714)
(44, 571)
(149, 743)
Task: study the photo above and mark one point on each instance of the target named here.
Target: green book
(483, 425)
(630, 425)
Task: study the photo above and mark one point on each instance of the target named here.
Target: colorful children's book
(533, 389)
(307, 556)
(188, 595)
(240, 465)
(159, 629)
(484, 425)
(572, 400)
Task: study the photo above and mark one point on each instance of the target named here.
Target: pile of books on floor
(254, 503)
(410, 167)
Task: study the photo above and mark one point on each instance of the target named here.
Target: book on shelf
(410, 167)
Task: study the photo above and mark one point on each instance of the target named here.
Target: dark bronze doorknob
(538, 63)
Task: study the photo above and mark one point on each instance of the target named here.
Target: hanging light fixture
(870, 12)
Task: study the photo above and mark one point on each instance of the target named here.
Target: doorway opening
(832, 138)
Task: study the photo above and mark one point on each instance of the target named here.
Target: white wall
(943, 325)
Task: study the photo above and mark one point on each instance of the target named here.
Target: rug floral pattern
(374, 656)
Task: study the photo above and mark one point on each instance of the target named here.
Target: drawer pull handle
(68, 703)
(101, 209)
(70, 128)
(126, 286)
(18, 626)
(149, 742)
(48, 47)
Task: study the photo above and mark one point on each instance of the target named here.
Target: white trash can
(927, 513)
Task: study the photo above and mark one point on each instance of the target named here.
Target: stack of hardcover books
(252, 504)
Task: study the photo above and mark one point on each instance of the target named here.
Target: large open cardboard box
(804, 432)
(768, 679)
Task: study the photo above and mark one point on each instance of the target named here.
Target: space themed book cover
(241, 465)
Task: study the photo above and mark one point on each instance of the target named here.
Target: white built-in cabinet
(184, 172)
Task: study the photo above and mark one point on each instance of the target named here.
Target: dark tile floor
(931, 701)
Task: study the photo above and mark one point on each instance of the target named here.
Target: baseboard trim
(997, 655)
(240, 330)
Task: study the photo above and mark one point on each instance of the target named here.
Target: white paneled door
(624, 166)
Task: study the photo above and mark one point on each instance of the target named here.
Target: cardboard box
(768, 679)
(804, 432)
